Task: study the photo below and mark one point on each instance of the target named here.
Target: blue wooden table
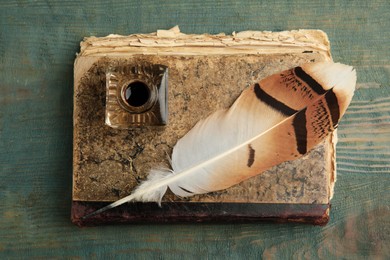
(38, 42)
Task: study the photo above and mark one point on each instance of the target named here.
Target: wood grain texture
(38, 41)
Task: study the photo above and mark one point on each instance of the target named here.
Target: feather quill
(278, 119)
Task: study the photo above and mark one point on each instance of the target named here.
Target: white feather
(216, 153)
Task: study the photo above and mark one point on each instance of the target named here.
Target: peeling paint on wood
(38, 41)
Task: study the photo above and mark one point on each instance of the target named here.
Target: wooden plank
(37, 45)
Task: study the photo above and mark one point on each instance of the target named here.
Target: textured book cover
(200, 74)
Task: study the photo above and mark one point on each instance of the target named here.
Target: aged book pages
(206, 73)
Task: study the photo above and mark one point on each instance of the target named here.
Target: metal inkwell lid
(136, 95)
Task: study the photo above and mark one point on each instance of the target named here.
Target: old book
(206, 73)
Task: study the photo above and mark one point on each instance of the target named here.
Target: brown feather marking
(300, 91)
(273, 102)
(320, 120)
(333, 105)
(312, 83)
(185, 190)
(299, 124)
(251, 158)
